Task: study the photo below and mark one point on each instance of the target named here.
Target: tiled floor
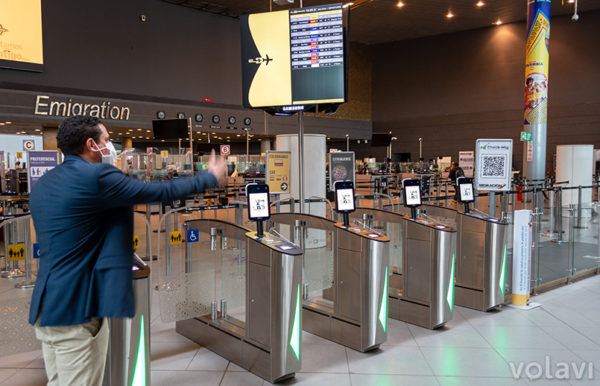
(473, 349)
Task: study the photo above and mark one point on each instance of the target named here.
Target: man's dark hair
(75, 131)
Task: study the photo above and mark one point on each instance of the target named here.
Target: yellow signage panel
(16, 252)
(21, 44)
(175, 238)
(164, 154)
(136, 242)
(278, 171)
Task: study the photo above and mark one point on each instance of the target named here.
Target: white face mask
(110, 158)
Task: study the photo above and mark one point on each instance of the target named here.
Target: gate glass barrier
(239, 295)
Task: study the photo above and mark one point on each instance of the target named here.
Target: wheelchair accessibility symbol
(193, 235)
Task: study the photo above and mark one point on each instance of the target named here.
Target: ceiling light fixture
(400, 4)
(449, 15)
(480, 4)
(347, 5)
(498, 22)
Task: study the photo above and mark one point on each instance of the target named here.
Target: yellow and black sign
(21, 35)
(175, 237)
(16, 252)
(136, 242)
(278, 171)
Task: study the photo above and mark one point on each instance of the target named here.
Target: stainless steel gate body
(353, 311)
(422, 281)
(481, 263)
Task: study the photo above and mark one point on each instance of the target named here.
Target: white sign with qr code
(493, 164)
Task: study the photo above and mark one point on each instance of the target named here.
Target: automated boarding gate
(481, 264)
(422, 258)
(259, 324)
(128, 356)
(345, 279)
(481, 252)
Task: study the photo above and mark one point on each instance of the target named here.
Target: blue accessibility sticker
(36, 251)
(193, 235)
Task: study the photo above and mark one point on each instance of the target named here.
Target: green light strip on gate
(384, 302)
(502, 277)
(295, 339)
(450, 296)
(139, 372)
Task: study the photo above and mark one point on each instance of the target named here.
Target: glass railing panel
(586, 253)
(552, 248)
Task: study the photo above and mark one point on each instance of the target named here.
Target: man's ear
(89, 145)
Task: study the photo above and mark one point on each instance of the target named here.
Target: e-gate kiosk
(481, 250)
(345, 279)
(267, 339)
(128, 356)
(422, 288)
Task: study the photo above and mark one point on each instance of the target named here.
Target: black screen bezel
(344, 185)
(254, 189)
(465, 181)
(408, 183)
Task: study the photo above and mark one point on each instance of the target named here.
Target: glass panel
(586, 254)
(233, 276)
(318, 261)
(187, 294)
(553, 246)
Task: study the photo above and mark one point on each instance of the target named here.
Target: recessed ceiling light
(148, 131)
(147, 137)
(162, 140)
(571, 1)
(2, 124)
(38, 129)
(139, 129)
(449, 15)
(132, 137)
(8, 122)
(400, 4)
(347, 5)
(498, 22)
(480, 4)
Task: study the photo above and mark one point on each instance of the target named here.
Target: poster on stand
(341, 168)
(39, 162)
(466, 160)
(493, 164)
(278, 171)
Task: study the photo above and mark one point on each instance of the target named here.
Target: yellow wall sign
(136, 242)
(175, 237)
(278, 171)
(16, 252)
(21, 34)
(164, 154)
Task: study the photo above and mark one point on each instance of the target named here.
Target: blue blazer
(83, 217)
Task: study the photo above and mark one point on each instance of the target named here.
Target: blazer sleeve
(116, 189)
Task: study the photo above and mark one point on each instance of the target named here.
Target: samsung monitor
(170, 128)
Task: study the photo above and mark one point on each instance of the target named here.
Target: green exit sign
(525, 136)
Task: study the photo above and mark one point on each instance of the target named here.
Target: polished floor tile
(27, 377)
(389, 360)
(392, 380)
(186, 378)
(324, 358)
(455, 361)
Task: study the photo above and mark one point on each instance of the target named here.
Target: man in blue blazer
(83, 216)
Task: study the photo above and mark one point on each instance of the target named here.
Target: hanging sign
(278, 171)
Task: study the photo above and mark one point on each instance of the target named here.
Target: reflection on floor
(473, 349)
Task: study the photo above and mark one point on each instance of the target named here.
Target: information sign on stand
(341, 168)
(521, 276)
(466, 160)
(39, 162)
(278, 171)
(493, 164)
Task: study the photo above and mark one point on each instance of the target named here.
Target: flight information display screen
(293, 57)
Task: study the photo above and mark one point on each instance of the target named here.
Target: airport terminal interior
(412, 193)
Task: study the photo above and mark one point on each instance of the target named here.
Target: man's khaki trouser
(75, 355)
